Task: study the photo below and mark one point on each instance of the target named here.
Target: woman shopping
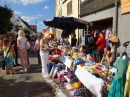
(37, 49)
(22, 51)
(44, 52)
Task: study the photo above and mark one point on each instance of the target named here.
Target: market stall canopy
(64, 23)
(48, 32)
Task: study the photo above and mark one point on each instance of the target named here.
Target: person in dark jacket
(73, 41)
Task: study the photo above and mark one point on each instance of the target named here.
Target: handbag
(27, 45)
(4, 62)
(113, 38)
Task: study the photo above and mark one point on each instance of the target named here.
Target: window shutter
(67, 8)
(70, 6)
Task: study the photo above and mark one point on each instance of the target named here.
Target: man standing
(100, 43)
(73, 41)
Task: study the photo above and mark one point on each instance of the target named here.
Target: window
(82, 0)
(63, 1)
(69, 8)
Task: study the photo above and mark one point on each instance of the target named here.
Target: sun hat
(46, 35)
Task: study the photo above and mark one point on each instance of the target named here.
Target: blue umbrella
(66, 23)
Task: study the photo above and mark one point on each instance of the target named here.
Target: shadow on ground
(33, 69)
(11, 88)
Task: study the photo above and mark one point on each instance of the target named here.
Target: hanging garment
(118, 83)
(108, 33)
(127, 83)
(95, 33)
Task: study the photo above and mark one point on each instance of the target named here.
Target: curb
(60, 93)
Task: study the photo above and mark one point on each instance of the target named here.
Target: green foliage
(26, 31)
(5, 16)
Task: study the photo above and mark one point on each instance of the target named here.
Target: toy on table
(74, 52)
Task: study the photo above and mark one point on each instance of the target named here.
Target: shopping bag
(49, 67)
(55, 72)
(27, 45)
(59, 76)
(113, 38)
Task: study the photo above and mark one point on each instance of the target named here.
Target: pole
(115, 23)
(54, 29)
(115, 17)
(78, 17)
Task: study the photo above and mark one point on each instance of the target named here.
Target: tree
(26, 31)
(5, 16)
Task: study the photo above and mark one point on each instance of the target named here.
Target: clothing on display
(127, 83)
(118, 83)
(108, 33)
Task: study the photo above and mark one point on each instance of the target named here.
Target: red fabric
(57, 52)
(101, 43)
(93, 32)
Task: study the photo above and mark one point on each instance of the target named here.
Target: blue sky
(43, 9)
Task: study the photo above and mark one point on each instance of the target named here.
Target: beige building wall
(58, 12)
(61, 10)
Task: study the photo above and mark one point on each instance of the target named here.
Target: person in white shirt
(22, 51)
(44, 52)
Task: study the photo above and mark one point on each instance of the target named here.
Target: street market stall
(71, 23)
(48, 32)
(83, 74)
(67, 24)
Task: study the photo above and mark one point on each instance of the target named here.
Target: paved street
(18, 85)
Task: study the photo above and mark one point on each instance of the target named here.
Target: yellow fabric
(6, 50)
(75, 55)
(127, 84)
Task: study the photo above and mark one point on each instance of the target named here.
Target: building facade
(68, 8)
(105, 14)
(24, 25)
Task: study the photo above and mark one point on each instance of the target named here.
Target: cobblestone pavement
(18, 84)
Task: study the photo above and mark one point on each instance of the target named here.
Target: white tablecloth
(92, 83)
(66, 61)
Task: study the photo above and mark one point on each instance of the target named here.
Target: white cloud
(46, 7)
(26, 2)
(16, 12)
(28, 18)
(31, 18)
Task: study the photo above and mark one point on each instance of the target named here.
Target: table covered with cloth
(66, 61)
(91, 82)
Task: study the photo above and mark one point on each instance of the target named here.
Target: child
(9, 58)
